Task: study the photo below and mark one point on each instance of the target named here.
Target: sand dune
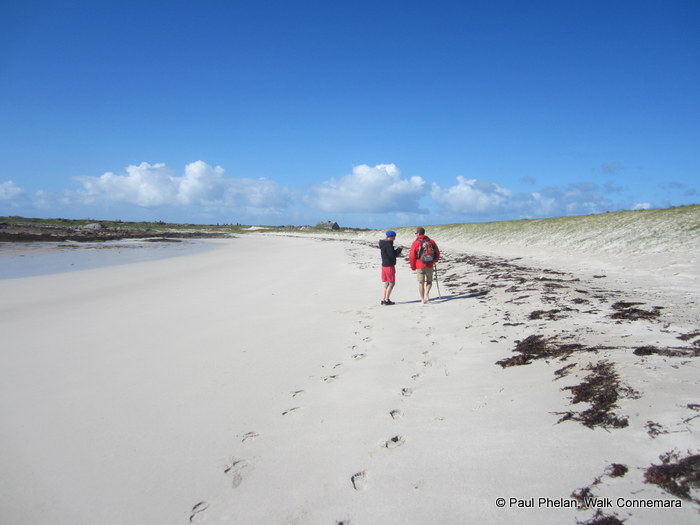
(223, 388)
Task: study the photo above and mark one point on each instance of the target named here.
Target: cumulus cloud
(471, 196)
(369, 189)
(144, 185)
(153, 185)
(9, 190)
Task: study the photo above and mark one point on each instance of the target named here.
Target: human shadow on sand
(445, 298)
(472, 295)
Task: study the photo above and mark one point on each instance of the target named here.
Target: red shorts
(388, 274)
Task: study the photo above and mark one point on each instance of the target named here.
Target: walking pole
(437, 283)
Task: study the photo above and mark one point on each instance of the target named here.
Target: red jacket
(413, 254)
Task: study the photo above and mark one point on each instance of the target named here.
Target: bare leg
(427, 292)
(387, 290)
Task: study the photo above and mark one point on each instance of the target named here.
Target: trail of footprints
(359, 480)
(236, 469)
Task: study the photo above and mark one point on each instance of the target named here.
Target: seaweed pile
(677, 476)
(601, 389)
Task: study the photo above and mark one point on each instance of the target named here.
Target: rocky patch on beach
(92, 232)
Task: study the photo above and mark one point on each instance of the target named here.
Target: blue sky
(370, 113)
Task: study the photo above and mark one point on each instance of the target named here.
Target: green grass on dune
(650, 230)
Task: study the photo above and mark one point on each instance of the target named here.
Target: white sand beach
(262, 382)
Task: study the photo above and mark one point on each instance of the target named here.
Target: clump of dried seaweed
(668, 351)
(537, 347)
(614, 470)
(602, 389)
(629, 311)
(550, 315)
(691, 335)
(677, 476)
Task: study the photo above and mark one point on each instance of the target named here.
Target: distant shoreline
(86, 231)
(21, 229)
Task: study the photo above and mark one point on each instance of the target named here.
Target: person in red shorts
(389, 255)
(422, 258)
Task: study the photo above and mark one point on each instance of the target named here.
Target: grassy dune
(644, 231)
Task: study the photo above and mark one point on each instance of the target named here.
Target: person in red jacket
(422, 261)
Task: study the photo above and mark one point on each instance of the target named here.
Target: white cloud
(201, 183)
(144, 185)
(153, 185)
(471, 196)
(377, 189)
(642, 206)
(255, 193)
(9, 190)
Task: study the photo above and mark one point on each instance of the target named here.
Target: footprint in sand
(329, 379)
(290, 410)
(394, 442)
(235, 471)
(416, 377)
(198, 511)
(405, 392)
(359, 356)
(297, 393)
(396, 414)
(359, 480)
(249, 436)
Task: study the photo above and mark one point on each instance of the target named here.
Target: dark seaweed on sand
(601, 389)
(668, 352)
(601, 519)
(614, 470)
(537, 347)
(676, 476)
(629, 311)
(691, 335)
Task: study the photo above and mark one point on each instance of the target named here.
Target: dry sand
(276, 389)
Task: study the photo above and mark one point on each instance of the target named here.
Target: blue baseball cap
(391, 233)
